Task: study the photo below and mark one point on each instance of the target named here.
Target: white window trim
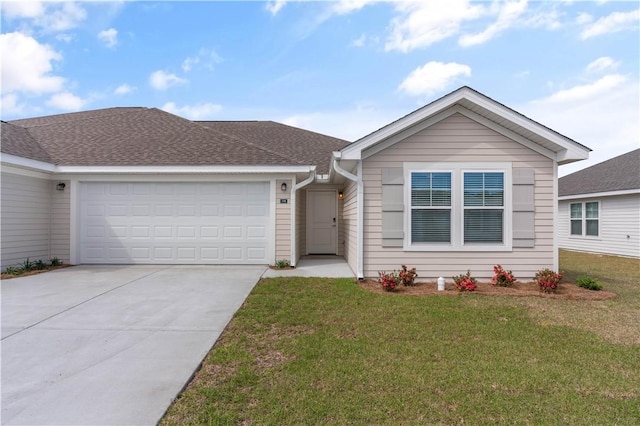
(583, 220)
(457, 171)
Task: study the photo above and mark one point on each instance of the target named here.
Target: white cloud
(603, 115)
(66, 101)
(615, 22)
(54, 16)
(123, 89)
(587, 91)
(273, 7)
(9, 105)
(109, 37)
(433, 77)
(360, 41)
(602, 64)
(344, 7)
(67, 38)
(22, 9)
(508, 14)
(206, 58)
(423, 23)
(584, 18)
(30, 65)
(203, 111)
(161, 80)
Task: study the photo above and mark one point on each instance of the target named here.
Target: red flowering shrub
(548, 280)
(407, 276)
(465, 282)
(389, 281)
(501, 277)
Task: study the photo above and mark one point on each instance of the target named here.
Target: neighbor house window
(483, 207)
(585, 218)
(431, 207)
(458, 206)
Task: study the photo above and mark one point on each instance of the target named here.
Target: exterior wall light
(283, 187)
(61, 186)
(341, 195)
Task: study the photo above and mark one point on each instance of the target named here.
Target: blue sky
(344, 68)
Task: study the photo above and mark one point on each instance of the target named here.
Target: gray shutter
(523, 208)
(392, 207)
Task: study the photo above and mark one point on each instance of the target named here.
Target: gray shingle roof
(302, 146)
(148, 136)
(617, 174)
(18, 141)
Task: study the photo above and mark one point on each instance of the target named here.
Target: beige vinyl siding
(458, 139)
(619, 217)
(61, 222)
(350, 224)
(283, 221)
(25, 219)
(301, 223)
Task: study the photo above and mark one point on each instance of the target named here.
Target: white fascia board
(27, 163)
(600, 194)
(183, 169)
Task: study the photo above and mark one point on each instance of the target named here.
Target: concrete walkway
(110, 345)
(315, 266)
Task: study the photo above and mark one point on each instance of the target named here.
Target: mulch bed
(567, 291)
(34, 272)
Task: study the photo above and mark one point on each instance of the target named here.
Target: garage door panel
(174, 222)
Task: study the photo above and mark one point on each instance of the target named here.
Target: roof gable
(620, 173)
(478, 107)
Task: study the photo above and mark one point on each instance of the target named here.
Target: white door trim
(334, 194)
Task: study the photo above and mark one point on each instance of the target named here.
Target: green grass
(319, 351)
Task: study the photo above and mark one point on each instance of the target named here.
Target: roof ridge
(251, 144)
(119, 112)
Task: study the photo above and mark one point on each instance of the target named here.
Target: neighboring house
(599, 207)
(462, 183)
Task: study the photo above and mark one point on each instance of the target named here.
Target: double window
(584, 218)
(458, 208)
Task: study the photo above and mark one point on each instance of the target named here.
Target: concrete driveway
(110, 345)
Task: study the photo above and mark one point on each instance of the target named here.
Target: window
(431, 207)
(456, 206)
(584, 218)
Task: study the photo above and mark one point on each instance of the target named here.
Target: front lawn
(322, 351)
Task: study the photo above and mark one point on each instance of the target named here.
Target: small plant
(27, 265)
(54, 261)
(407, 276)
(40, 265)
(548, 280)
(12, 271)
(389, 281)
(589, 283)
(282, 263)
(465, 282)
(501, 277)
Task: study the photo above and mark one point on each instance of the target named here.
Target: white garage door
(174, 223)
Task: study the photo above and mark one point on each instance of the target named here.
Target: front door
(322, 222)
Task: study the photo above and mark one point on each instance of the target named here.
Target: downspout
(296, 186)
(360, 211)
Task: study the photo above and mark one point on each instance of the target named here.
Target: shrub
(389, 281)
(407, 276)
(501, 277)
(465, 282)
(548, 280)
(589, 283)
(282, 263)
(12, 271)
(27, 265)
(40, 265)
(55, 261)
